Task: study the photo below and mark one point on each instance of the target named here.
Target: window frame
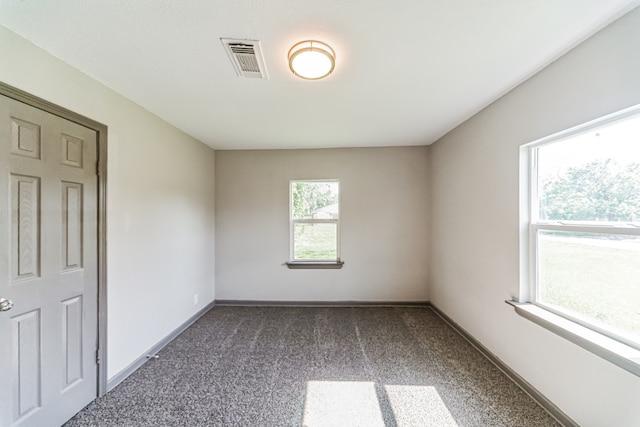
(603, 342)
(312, 263)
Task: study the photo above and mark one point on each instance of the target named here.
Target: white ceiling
(407, 72)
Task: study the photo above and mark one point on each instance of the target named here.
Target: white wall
(474, 214)
(383, 196)
(160, 203)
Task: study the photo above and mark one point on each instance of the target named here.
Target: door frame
(101, 171)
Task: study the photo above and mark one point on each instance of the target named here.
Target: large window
(315, 220)
(584, 226)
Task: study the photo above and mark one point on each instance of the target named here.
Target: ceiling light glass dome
(312, 59)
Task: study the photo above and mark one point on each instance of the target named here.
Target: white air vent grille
(246, 57)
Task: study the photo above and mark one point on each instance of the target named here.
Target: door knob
(5, 304)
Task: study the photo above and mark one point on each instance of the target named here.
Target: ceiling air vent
(246, 57)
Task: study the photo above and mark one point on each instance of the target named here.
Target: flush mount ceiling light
(312, 60)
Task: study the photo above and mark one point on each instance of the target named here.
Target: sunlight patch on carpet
(356, 403)
(342, 403)
(418, 406)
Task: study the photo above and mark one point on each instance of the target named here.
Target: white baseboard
(540, 398)
(133, 366)
(268, 303)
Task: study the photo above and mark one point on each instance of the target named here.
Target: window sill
(306, 265)
(621, 355)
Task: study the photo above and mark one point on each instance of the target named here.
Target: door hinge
(98, 168)
(98, 360)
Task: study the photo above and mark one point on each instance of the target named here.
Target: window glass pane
(593, 176)
(592, 276)
(314, 199)
(316, 242)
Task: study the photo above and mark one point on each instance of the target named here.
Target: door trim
(34, 101)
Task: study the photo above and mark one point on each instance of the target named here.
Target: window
(315, 221)
(582, 233)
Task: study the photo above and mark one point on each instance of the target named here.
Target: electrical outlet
(195, 299)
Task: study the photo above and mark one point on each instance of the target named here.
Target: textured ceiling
(407, 72)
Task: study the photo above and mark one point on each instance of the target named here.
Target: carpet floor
(317, 366)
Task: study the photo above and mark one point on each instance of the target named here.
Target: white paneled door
(48, 266)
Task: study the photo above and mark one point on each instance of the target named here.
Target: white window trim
(624, 356)
(615, 349)
(313, 263)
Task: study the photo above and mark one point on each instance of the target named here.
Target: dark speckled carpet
(319, 366)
